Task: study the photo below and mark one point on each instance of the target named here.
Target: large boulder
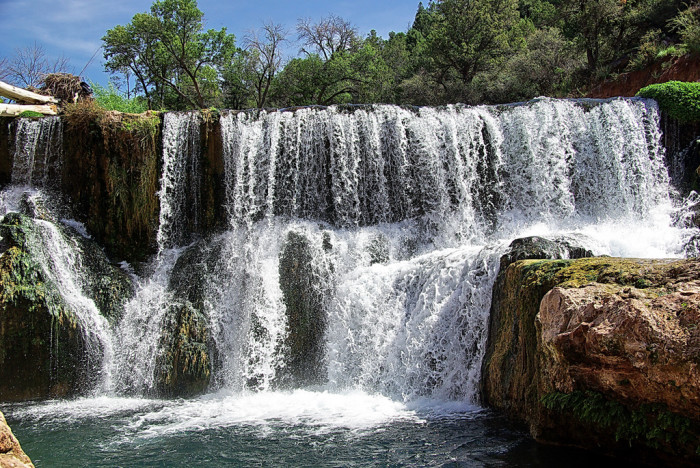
(600, 353)
(11, 453)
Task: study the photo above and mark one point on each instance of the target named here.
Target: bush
(678, 99)
(109, 98)
(648, 50)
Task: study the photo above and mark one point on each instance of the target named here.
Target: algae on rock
(43, 347)
(304, 280)
(110, 176)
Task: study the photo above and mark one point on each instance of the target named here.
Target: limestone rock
(11, 453)
(184, 365)
(600, 353)
(627, 343)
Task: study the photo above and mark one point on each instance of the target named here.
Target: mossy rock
(183, 367)
(514, 381)
(304, 284)
(107, 284)
(187, 350)
(41, 345)
(43, 349)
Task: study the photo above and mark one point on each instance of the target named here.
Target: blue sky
(74, 28)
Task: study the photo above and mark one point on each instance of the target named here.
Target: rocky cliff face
(11, 453)
(600, 352)
(110, 177)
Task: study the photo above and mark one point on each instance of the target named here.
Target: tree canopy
(472, 51)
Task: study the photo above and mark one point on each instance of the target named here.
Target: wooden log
(19, 94)
(13, 110)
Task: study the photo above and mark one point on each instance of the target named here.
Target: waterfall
(37, 164)
(145, 317)
(484, 169)
(38, 152)
(60, 258)
(179, 183)
(361, 243)
(404, 214)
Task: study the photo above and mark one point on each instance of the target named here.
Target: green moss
(184, 364)
(30, 114)
(145, 126)
(681, 100)
(651, 424)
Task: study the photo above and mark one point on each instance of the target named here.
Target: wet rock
(540, 247)
(187, 353)
(304, 280)
(600, 353)
(11, 453)
(42, 344)
(105, 283)
(184, 364)
(378, 249)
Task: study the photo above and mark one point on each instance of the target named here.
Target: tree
(169, 52)
(264, 59)
(471, 36)
(598, 25)
(330, 35)
(687, 25)
(30, 65)
(237, 82)
(338, 66)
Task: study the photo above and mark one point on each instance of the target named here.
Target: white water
(37, 160)
(38, 152)
(435, 194)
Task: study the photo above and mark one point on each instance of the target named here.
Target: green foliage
(681, 100)
(474, 51)
(472, 36)
(687, 25)
(109, 98)
(30, 114)
(648, 50)
(175, 61)
(650, 424)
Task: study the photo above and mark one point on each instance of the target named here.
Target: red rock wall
(685, 68)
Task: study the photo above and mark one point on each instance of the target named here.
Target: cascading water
(38, 152)
(412, 209)
(145, 315)
(36, 169)
(353, 284)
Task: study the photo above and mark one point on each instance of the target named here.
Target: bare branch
(330, 35)
(30, 64)
(265, 51)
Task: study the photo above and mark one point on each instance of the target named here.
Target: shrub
(681, 100)
(109, 98)
(648, 50)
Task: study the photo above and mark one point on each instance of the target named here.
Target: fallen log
(19, 94)
(13, 110)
